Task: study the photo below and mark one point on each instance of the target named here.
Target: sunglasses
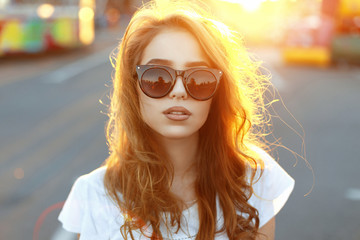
(157, 81)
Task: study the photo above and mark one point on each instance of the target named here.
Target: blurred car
(34, 28)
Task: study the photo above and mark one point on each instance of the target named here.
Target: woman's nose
(178, 90)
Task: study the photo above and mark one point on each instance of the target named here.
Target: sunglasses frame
(141, 69)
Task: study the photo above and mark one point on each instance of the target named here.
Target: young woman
(185, 133)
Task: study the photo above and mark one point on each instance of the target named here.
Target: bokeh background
(55, 77)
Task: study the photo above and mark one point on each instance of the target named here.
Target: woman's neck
(182, 153)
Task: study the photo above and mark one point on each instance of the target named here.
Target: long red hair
(139, 176)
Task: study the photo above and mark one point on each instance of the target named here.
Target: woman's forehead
(176, 47)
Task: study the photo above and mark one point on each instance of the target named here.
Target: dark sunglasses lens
(201, 84)
(156, 82)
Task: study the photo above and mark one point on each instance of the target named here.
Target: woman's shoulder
(94, 178)
(88, 209)
(260, 154)
(269, 172)
(90, 187)
(271, 187)
(265, 163)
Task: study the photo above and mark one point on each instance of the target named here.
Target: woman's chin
(178, 134)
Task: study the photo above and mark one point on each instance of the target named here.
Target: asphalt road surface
(326, 104)
(52, 131)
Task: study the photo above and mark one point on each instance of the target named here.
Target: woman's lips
(177, 113)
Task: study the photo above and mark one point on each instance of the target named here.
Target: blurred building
(332, 35)
(316, 32)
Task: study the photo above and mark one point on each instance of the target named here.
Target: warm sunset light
(249, 5)
(45, 10)
(266, 21)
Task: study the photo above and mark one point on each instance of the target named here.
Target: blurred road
(326, 103)
(52, 131)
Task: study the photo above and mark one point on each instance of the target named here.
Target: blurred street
(325, 102)
(52, 131)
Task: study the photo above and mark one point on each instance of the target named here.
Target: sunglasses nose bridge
(179, 73)
(178, 88)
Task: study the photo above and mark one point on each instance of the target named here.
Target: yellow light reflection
(86, 14)
(88, 3)
(3, 3)
(45, 10)
(86, 25)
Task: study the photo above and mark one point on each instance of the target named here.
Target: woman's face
(176, 115)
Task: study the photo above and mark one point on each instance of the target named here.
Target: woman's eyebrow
(197, 64)
(160, 62)
(166, 62)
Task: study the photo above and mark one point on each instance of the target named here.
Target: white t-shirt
(90, 212)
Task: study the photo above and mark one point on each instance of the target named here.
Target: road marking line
(61, 234)
(73, 69)
(353, 194)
